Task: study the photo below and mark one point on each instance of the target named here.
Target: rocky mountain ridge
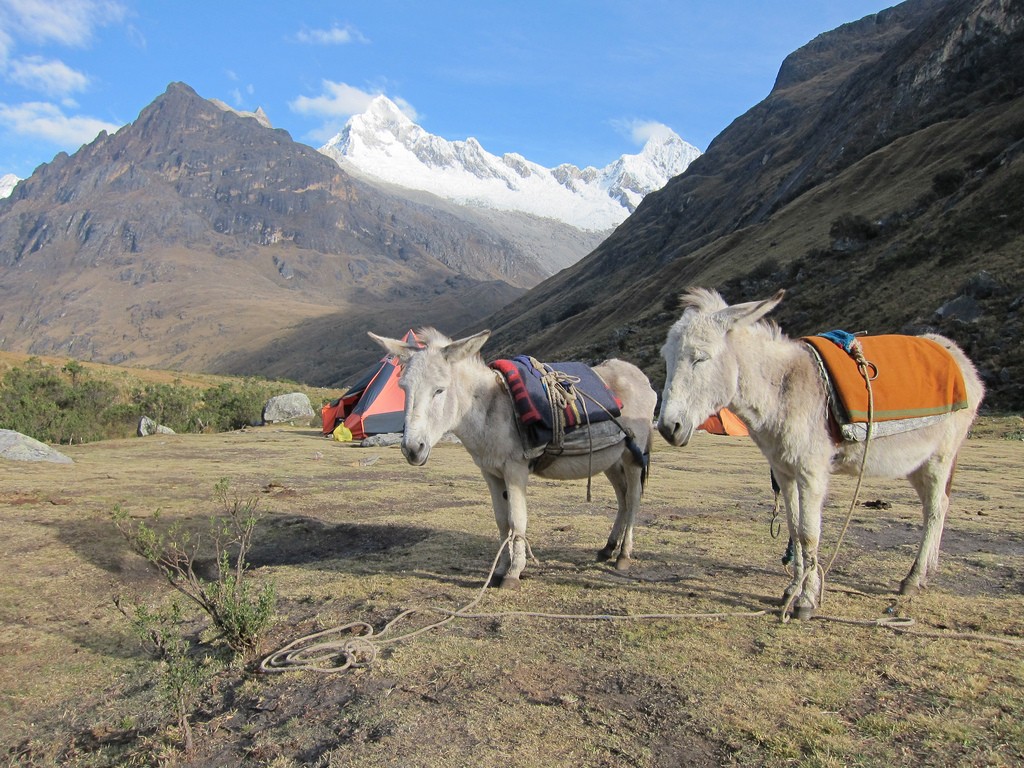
(195, 238)
(879, 182)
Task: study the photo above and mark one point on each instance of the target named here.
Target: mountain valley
(880, 182)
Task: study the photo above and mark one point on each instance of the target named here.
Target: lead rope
(362, 649)
(869, 372)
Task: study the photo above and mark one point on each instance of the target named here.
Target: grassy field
(355, 534)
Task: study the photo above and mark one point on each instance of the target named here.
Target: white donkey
(448, 388)
(718, 356)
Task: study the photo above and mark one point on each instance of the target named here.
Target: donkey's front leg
(516, 478)
(811, 493)
(803, 497)
(499, 502)
(791, 501)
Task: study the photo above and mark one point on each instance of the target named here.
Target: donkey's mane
(431, 337)
(707, 301)
(702, 300)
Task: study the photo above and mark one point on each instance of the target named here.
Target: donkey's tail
(642, 457)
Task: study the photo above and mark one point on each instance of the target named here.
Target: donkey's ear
(467, 347)
(751, 311)
(393, 346)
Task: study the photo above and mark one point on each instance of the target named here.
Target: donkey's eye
(439, 391)
(700, 357)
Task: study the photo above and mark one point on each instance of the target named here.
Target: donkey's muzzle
(415, 452)
(674, 432)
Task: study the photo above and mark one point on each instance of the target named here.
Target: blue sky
(578, 81)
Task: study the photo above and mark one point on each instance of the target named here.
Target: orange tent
(725, 422)
(373, 405)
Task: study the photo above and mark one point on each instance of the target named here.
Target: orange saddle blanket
(916, 377)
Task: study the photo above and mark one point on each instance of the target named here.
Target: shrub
(38, 400)
(182, 675)
(71, 404)
(851, 227)
(227, 406)
(241, 614)
(945, 183)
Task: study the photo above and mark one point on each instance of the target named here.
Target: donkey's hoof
(909, 586)
(622, 563)
(496, 579)
(803, 612)
(605, 554)
(510, 582)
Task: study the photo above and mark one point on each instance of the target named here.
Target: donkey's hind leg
(931, 481)
(625, 479)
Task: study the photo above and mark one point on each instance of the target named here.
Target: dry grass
(346, 538)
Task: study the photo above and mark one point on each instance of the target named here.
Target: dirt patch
(298, 540)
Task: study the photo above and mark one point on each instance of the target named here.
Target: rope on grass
(902, 625)
(362, 645)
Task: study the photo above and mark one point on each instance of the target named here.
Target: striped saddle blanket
(553, 399)
(916, 381)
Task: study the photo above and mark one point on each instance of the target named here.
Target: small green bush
(55, 406)
(853, 227)
(241, 613)
(182, 675)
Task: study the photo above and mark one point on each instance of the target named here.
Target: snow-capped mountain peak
(7, 183)
(384, 143)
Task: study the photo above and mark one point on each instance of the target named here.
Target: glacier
(382, 143)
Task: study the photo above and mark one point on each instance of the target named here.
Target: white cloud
(343, 100)
(67, 22)
(47, 121)
(52, 77)
(334, 36)
(640, 131)
(337, 100)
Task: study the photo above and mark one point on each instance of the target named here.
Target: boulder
(962, 308)
(18, 447)
(290, 407)
(149, 427)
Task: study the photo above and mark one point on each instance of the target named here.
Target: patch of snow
(7, 183)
